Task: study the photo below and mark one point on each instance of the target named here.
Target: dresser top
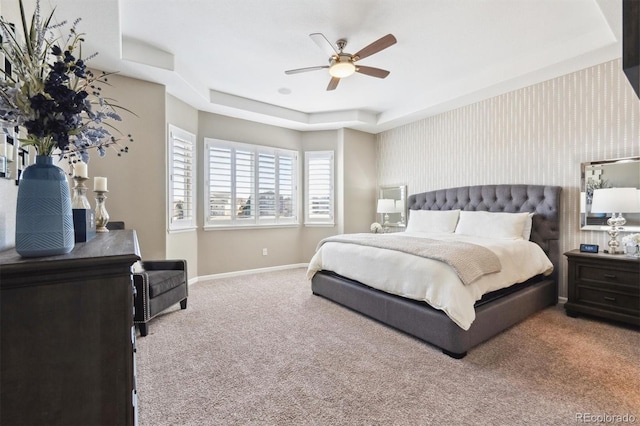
(113, 246)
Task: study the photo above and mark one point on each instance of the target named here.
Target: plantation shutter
(287, 187)
(250, 185)
(219, 184)
(181, 179)
(267, 187)
(319, 187)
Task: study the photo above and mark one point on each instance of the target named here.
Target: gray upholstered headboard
(542, 200)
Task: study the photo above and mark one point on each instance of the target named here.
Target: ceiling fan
(342, 64)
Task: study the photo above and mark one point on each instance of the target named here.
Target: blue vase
(44, 219)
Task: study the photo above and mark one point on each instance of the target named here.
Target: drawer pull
(610, 299)
(612, 276)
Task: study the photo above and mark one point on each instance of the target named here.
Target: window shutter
(250, 185)
(287, 187)
(267, 186)
(245, 200)
(181, 179)
(220, 185)
(319, 185)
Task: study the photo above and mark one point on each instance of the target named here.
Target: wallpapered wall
(537, 135)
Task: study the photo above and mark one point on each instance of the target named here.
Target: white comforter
(430, 280)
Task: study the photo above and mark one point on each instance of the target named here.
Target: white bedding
(430, 280)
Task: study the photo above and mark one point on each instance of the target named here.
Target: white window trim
(187, 224)
(330, 221)
(256, 222)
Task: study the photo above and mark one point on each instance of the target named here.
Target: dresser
(67, 336)
(604, 285)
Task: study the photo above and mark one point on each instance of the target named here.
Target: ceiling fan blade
(373, 72)
(324, 44)
(333, 83)
(376, 46)
(306, 69)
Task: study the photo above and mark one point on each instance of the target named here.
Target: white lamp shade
(386, 205)
(615, 200)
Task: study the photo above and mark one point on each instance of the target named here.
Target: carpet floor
(262, 349)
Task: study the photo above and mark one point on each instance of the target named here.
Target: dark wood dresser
(67, 335)
(604, 285)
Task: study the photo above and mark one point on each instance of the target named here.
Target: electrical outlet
(264, 252)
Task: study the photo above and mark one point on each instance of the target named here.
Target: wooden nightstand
(603, 285)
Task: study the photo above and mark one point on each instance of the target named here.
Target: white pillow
(526, 232)
(432, 220)
(510, 226)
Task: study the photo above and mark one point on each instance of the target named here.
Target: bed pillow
(432, 220)
(509, 226)
(528, 224)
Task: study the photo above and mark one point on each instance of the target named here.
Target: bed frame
(493, 316)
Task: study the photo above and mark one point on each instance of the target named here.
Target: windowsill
(319, 224)
(181, 230)
(240, 227)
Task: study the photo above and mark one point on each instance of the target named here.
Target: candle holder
(102, 217)
(79, 200)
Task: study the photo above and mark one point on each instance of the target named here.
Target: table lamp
(615, 201)
(386, 206)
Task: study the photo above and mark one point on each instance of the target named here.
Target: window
(249, 185)
(181, 179)
(319, 202)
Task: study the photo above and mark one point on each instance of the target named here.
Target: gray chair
(158, 286)
(162, 284)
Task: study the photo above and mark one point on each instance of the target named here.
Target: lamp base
(613, 252)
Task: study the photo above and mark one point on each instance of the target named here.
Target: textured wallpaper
(536, 135)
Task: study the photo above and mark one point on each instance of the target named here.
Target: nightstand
(604, 285)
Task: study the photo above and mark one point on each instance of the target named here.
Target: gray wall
(539, 135)
(136, 181)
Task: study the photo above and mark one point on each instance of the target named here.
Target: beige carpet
(261, 349)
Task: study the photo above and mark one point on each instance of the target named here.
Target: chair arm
(155, 265)
(141, 299)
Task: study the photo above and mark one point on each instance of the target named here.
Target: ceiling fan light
(342, 69)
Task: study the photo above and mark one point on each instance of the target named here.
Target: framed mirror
(619, 173)
(393, 202)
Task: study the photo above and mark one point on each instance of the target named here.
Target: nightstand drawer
(608, 299)
(586, 273)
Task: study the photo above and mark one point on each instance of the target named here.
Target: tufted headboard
(542, 200)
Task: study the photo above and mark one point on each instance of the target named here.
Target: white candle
(80, 169)
(99, 183)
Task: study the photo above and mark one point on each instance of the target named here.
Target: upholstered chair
(159, 284)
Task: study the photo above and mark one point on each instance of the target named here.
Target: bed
(493, 311)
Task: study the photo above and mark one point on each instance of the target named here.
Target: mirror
(398, 213)
(620, 173)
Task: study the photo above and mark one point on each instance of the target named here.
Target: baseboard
(246, 272)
